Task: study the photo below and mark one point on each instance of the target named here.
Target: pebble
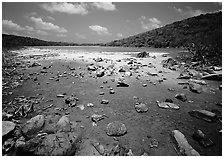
(104, 101)
(181, 97)
(204, 115)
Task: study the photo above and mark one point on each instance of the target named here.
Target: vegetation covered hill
(205, 28)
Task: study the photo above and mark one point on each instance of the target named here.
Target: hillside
(205, 28)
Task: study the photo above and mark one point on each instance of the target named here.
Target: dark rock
(181, 97)
(104, 101)
(143, 54)
(195, 88)
(116, 128)
(92, 68)
(169, 100)
(101, 93)
(112, 92)
(122, 84)
(35, 64)
(204, 115)
(169, 62)
(98, 59)
(199, 136)
(100, 73)
(95, 118)
(6, 117)
(216, 77)
(8, 146)
(140, 107)
(144, 85)
(32, 126)
(181, 144)
(184, 76)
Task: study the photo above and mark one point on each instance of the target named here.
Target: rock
(184, 76)
(101, 93)
(201, 82)
(169, 100)
(59, 144)
(130, 153)
(181, 97)
(204, 115)
(195, 88)
(116, 128)
(140, 107)
(143, 54)
(69, 100)
(6, 117)
(171, 89)
(95, 118)
(89, 105)
(7, 128)
(60, 96)
(153, 143)
(128, 73)
(104, 101)
(112, 91)
(166, 105)
(81, 107)
(122, 84)
(151, 74)
(169, 62)
(99, 59)
(35, 64)
(63, 124)
(216, 68)
(92, 68)
(7, 146)
(98, 146)
(216, 77)
(144, 85)
(100, 73)
(199, 136)
(181, 144)
(121, 69)
(220, 87)
(20, 142)
(33, 125)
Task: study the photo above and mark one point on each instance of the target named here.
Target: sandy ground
(156, 123)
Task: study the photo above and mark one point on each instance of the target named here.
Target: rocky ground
(56, 102)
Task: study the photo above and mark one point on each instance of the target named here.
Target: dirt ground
(156, 123)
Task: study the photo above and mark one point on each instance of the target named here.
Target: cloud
(119, 35)
(150, 24)
(100, 30)
(8, 24)
(51, 18)
(188, 11)
(107, 6)
(41, 25)
(61, 35)
(69, 8)
(80, 36)
(40, 32)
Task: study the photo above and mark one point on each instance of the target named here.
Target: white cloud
(150, 24)
(107, 6)
(80, 36)
(100, 30)
(40, 32)
(61, 35)
(8, 24)
(41, 25)
(69, 8)
(188, 11)
(51, 18)
(119, 35)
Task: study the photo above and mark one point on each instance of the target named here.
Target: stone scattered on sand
(220, 87)
(181, 144)
(101, 93)
(204, 115)
(195, 88)
(100, 148)
(95, 118)
(116, 128)
(141, 107)
(7, 128)
(112, 91)
(104, 101)
(63, 124)
(166, 105)
(122, 84)
(34, 64)
(59, 144)
(92, 68)
(144, 85)
(184, 76)
(130, 153)
(153, 143)
(100, 73)
(171, 89)
(216, 77)
(60, 96)
(199, 136)
(128, 73)
(181, 97)
(81, 107)
(32, 126)
(89, 105)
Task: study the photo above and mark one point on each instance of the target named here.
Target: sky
(95, 22)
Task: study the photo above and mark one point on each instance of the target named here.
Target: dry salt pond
(109, 101)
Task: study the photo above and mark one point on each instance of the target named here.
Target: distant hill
(205, 28)
(15, 41)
